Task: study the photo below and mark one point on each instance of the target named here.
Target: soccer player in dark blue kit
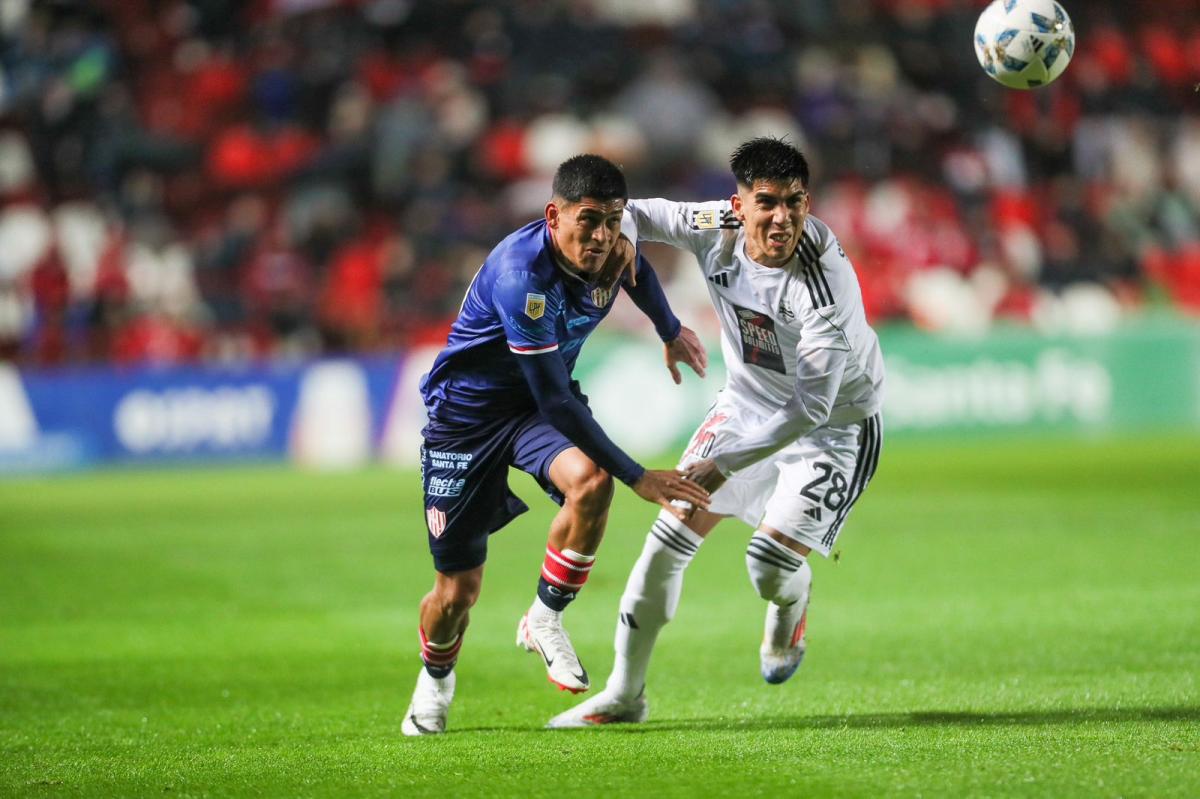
(500, 394)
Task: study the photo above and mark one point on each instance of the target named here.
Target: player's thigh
(464, 474)
(702, 522)
(537, 446)
(745, 494)
(820, 479)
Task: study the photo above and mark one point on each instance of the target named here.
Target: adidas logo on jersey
(785, 311)
(721, 279)
(813, 513)
(814, 273)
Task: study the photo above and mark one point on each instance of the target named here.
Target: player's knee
(455, 603)
(777, 575)
(454, 596)
(590, 487)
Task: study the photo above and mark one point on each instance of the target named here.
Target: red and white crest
(436, 520)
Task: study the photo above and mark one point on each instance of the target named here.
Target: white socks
(779, 574)
(649, 602)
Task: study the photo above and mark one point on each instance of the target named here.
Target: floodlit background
(234, 234)
(202, 200)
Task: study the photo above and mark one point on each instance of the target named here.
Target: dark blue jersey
(520, 303)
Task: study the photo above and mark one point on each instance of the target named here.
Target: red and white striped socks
(439, 658)
(563, 574)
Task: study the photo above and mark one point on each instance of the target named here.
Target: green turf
(1006, 619)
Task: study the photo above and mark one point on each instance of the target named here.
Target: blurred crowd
(188, 180)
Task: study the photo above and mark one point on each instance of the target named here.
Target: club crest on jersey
(437, 522)
(600, 297)
(535, 305)
(709, 219)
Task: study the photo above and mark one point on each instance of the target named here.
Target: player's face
(773, 214)
(586, 231)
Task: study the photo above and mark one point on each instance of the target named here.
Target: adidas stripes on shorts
(806, 489)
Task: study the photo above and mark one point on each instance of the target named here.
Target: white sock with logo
(649, 602)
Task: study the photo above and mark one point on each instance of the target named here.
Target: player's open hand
(705, 474)
(685, 348)
(622, 260)
(666, 485)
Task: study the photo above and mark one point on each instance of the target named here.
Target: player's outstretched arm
(548, 381)
(818, 377)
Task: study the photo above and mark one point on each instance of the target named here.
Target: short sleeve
(528, 311)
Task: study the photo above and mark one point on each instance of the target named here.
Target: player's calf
(649, 601)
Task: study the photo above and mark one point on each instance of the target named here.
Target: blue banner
(75, 417)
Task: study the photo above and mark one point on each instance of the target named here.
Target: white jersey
(766, 313)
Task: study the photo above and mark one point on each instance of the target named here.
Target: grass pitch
(1006, 619)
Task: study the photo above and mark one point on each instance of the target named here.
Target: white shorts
(804, 490)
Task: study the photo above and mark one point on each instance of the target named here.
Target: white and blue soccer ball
(1024, 43)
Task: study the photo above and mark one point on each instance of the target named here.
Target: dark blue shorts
(464, 472)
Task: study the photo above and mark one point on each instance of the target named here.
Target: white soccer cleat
(603, 708)
(783, 644)
(544, 634)
(426, 714)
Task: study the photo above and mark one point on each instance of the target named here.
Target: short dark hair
(768, 158)
(589, 176)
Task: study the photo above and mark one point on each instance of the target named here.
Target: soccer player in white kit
(794, 436)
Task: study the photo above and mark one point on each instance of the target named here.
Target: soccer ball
(1024, 43)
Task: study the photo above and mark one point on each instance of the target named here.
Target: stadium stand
(214, 180)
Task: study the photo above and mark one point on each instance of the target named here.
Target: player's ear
(552, 215)
(736, 202)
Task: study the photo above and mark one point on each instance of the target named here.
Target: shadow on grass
(945, 718)
(918, 718)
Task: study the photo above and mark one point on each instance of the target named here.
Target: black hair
(767, 158)
(589, 176)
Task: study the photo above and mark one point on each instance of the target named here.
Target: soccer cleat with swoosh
(544, 634)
